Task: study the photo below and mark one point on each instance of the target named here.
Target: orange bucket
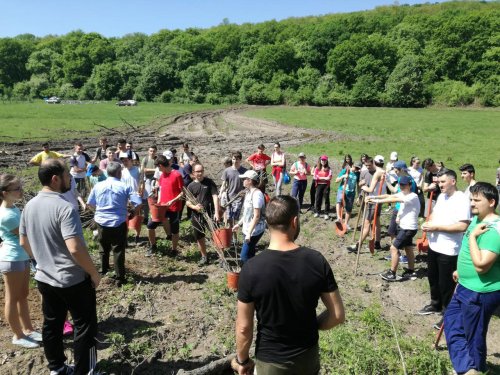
(135, 223)
(222, 238)
(157, 212)
(232, 280)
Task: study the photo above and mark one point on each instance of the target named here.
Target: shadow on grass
(171, 279)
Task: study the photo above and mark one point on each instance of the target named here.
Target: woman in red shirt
(322, 177)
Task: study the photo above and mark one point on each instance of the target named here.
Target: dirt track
(182, 316)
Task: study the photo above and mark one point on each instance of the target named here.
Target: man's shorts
(234, 209)
(15, 266)
(199, 226)
(404, 238)
(392, 230)
(173, 218)
(307, 363)
(370, 211)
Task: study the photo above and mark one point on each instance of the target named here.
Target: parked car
(53, 100)
(127, 103)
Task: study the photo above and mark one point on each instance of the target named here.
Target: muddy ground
(174, 315)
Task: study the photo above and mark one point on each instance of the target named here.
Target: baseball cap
(379, 158)
(302, 155)
(323, 157)
(404, 180)
(394, 156)
(168, 154)
(400, 164)
(91, 169)
(252, 175)
(123, 155)
(358, 164)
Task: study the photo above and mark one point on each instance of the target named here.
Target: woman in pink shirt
(322, 177)
(300, 170)
(278, 165)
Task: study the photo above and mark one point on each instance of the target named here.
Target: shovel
(371, 244)
(361, 207)
(423, 242)
(340, 227)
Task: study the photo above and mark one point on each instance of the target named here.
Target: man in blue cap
(407, 227)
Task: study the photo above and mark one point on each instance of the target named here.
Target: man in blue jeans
(478, 291)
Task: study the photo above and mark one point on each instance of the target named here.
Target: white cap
(379, 158)
(168, 154)
(252, 175)
(394, 156)
(302, 155)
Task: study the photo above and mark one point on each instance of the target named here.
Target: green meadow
(454, 136)
(41, 121)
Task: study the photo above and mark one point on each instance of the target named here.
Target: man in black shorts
(283, 285)
(205, 192)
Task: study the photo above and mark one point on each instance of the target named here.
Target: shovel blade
(340, 228)
(371, 246)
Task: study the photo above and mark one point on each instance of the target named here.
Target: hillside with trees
(399, 56)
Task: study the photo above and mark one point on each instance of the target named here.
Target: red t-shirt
(259, 161)
(170, 187)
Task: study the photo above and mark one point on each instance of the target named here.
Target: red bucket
(135, 223)
(222, 238)
(232, 280)
(157, 212)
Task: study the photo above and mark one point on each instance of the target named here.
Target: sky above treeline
(115, 18)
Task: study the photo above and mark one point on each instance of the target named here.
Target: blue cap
(404, 180)
(91, 169)
(400, 164)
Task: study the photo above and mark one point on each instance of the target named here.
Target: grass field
(454, 136)
(42, 121)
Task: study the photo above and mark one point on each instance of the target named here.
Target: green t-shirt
(468, 276)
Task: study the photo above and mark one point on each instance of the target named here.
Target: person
(51, 231)
(147, 172)
(110, 198)
(252, 223)
(110, 156)
(477, 295)
(278, 165)
(78, 163)
(430, 183)
(283, 285)
(389, 168)
(300, 170)
(497, 179)
(204, 191)
(14, 265)
(312, 189)
(175, 159)
(170, 194)
(371, 186)
(322, 179)
(121, 146)
(100, 152)
(232, 185)
(407, 226)
(187, 172)
(449, 219)
(468, 174)
(259, 162)
(45, 154)
(416, 172)
(134, 156)
(350, 191)
(186, 154)
(95, 175)
(73, 196)
(131, 177)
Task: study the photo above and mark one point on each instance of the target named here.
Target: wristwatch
(245, 362)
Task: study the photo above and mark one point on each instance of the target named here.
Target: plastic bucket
(222, 238)
(232, 280)
(157, 212)
(135, 223)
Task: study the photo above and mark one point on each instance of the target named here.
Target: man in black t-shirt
(283, 285)
(205, 192)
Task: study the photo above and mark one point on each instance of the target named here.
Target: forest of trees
(400, 56)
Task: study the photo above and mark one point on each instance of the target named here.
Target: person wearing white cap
(252, 220)
(300, 170)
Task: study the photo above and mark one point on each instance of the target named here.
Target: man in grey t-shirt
(51, 233)
(232, 185)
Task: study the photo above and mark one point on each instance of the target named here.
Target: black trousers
(80, 301)
(322, 192)
(440, 268)
(113, 239)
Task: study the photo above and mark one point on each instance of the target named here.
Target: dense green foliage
(402, 56)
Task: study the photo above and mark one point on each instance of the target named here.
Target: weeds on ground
(365, 344)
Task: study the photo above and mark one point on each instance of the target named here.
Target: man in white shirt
(468, 174)
(445, 229)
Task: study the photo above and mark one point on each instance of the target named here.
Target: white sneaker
(326, 217)
(35, 336)
(316, 215)
(25, 342)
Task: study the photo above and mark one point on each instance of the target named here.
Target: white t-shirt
(253, 199)
(448, 210)
(131, 177)
(416, 174)
(408, 211)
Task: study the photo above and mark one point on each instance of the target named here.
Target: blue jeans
(248, 249)
(298, 190)
(466, 324)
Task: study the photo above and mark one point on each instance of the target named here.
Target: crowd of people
(462, 229)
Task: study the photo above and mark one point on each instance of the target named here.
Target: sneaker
(409, 274)
(35, 336)
(68, 328)
(428, 309)
(316, 215)
(136, 240)
(353, 248)
(150, 250)
(25, 342)
(348, 228)
(438, 324)
(65, 370)
(388, 275)
(377, 245)
(326, 217)
(403, 259)
(203, 262)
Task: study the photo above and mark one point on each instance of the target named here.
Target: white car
(126, 103)
(53, 100)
